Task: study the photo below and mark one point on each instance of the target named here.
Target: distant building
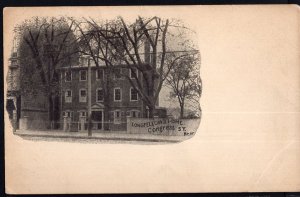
(20, 104)
(13, 98)
(34, 107)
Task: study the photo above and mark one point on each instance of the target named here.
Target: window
(82, 117)
(118, 73)
(117, 94)
(69, 93)
(134, 113)
(68, 96)
(150, 57)
(14, 54)
(133, 94)
(68, 114)
(82, 113)
(82, 95)
(100, 74)
(132, 72)
(82, 75)
(68, 75)
(117, 117)
(14, 62)
(100, 95)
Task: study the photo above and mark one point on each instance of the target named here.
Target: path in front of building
(111, 137)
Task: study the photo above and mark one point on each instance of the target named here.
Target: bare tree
(142, 45)
(185, 82)
(47, 43)
(95, 47)
(195, 93)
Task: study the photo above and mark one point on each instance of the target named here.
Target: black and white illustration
(98, 80)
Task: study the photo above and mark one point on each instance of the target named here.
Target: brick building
(19, 104)
(113, 99)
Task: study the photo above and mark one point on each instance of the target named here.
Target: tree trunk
(181, 109)
(151, 96)
(151, 111)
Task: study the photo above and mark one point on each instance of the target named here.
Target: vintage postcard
(152, 99)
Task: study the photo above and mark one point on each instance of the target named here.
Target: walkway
(98, 135)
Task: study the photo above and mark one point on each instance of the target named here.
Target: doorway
(97, 118)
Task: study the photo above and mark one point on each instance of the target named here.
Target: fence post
(65, 123)
(128, 124)
(69, 123)
(82, 123)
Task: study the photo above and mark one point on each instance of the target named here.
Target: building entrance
(97, 119)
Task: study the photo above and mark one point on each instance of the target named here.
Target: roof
(92, 67)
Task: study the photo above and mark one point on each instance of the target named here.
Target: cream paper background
(249, 136)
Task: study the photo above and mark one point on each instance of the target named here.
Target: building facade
(113, 99)
(13, 98)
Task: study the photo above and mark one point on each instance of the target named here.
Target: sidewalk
(97, 135)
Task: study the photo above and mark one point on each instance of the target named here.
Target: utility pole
(89, 95)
